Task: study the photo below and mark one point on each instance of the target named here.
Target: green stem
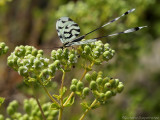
(87, 110)
(60, 114)
(40, 108)
(39, 105)
(61, 100)
(72, 93)
(45, 89)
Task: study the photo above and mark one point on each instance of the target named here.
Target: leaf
(63, 91)
(1, 100)
(57, 97)
(95, 106)
(85, 105)
(71, 101)
(64, 100)
(54, 106)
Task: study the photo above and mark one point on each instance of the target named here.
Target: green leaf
(85, 105)
(54, 106)
(1, 100)
(63, 91)
(95, 106)
(71, 101)
(57, 97)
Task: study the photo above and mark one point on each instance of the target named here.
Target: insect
(68, 31)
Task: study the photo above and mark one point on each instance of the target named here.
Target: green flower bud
(112, 82)
(108, 94)
(73, 88)
(106, 47)
(38, 64)
(10, 63)
(2, 45)
(114, 92)
(65, 53)
(34, 52)
(25, 117)
(8, 119)
(88, 77)
(28, 52)
(45, 61)
(23, 71)
(105, 80)
(85, 91)
(72, 58)
(20, 62)
(54, 113)
(120, 88)
(57, 64)
(20, 51)
(106, 55)
(94, 75)
(93, 85)
(87, 49)
(45, 74)
(27, 107)
(101, 95)
(80, 86)
(53, 68)
(40, 52)
(107, 86)
(74, 81)
(10, 110)
(39, 55)
(99, 81)
(53, 55)
(116, 82)
(45, 106)
(14, 104)
(28, 48)
(1, 117)
(6, 49)
(59, 53)
(26, 62)
(113, 52)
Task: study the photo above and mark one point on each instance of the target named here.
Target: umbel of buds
(31, 111)
(96, 52)
(3, 48)
(32, 65)
(101, 87)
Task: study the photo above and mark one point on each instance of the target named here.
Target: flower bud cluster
(3, 48)
(67, 58)
(103, 88)
(31, 64)
(78, 88)
(31, 109)
(96, 52)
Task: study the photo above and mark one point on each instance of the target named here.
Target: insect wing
(82, 42)
(67, 29)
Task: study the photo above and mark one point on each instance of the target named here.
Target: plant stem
(61, 99)
(72, 93)
(40, 108)
(60, 114)
(48, 93)
(39, 105)
(70, 96)
(87, 110)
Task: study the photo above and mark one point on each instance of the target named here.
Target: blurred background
(136, 63)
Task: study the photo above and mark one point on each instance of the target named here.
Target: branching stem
(87, 110)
